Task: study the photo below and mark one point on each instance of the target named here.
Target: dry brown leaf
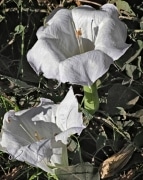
(116, 162)
(129, 175)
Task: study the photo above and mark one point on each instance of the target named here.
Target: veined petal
(67, 114)
(88, 19)
(111, 37)
(38, 154)
(23, 131)
(45, 56)
(28, 140)
(86, 68)
(33, 135)
(69, 36)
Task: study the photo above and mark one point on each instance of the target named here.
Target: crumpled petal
(34, 136)
(58, 47)
(29, 141)
(86, 68)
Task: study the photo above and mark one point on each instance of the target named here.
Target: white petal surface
(67, 115)
(103, 28)
(63, 136)
(86, 68)
(29, 135)
(69, 36)
(88, 19)
(29, 141)
(45, 57)
(111, 38)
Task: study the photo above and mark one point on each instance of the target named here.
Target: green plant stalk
(91, 98)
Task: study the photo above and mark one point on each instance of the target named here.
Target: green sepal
(91, 99)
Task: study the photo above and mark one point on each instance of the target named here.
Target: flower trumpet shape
(79, 45)
(39, 135)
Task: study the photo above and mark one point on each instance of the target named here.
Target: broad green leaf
(120, 96)
(101, 140)
(131, 55)
(91, 99)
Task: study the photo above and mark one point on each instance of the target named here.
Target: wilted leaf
(84, 171)
(120, 96)
(115, 163)
(16, 82)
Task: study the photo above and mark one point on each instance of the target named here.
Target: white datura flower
(79, 45)
(39, 135)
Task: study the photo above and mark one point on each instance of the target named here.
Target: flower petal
(88, 19)
(33, 136)
(57, 48)
(103, 27)
(84, 69)
(63, 136)
(39, 154)
(111, 10)
(45, 56)
(111, 37)
(55, 40)
(67, 114)
(28, 140)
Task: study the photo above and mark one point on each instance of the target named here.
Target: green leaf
(130, 69)
(131, 55)
(120, 96)
(35, 175)
(1, 18)
(123, 5)
(91, 99)
(19, 29)
(18, 2)
(84, 171)
(101, 140)
(138, 139)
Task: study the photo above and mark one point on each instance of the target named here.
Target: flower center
(78, 34)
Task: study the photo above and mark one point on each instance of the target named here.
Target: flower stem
(91, 99)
